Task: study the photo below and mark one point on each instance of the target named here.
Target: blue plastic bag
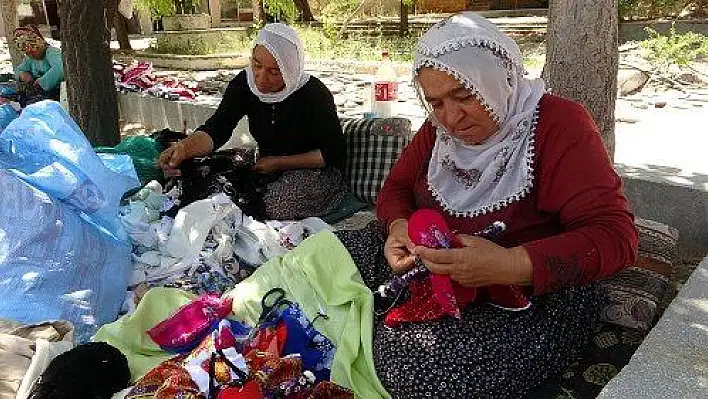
(63, 252)
(8, 89)
(46, 148)
(7, 115)
(54, 264)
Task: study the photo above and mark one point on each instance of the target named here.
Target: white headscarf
(285, 45)
(470, 180)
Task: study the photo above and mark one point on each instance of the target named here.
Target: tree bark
(582, 58)
(88, 69)
(403, 27)
(303, 6)
(8, 13)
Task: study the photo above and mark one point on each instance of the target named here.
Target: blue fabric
(316, 351)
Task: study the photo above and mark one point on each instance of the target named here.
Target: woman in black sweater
(293, 119)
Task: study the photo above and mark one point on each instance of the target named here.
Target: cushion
(631, 311)
(635, 293)
(373, 146)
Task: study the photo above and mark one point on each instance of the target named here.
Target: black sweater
(305, 121)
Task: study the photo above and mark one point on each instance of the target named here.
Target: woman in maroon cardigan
(497, 148)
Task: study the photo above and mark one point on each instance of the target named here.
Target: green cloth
(49, 71)
(128, 333)
(348, 206)
(320, 272)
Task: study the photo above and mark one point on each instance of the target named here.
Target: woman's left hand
(479, 263)
(267, 165)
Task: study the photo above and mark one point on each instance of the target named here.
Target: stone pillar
(215, 12)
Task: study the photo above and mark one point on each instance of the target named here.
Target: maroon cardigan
(575, 223)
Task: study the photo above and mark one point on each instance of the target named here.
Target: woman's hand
(171, 158)
(479, 263)
(397, 247)
(25, 77)
(268, 165)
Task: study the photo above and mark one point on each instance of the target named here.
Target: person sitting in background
(42, 70)
(293, 119)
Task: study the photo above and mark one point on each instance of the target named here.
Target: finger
(175, 157)
(162, 161)
(439, 268)
(403, 263)
(435, 255)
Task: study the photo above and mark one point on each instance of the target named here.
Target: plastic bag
(7, 115)
(56, 265)
(144, 151)
(46, 148)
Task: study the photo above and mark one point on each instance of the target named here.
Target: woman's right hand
(397, 248)
(25, 77)
(171, 158)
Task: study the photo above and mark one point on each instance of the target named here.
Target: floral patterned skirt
(490, 352)
(301, 193)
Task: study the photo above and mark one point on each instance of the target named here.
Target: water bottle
(385, 88)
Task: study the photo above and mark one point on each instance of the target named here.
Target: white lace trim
(461, 42)
(503, 203)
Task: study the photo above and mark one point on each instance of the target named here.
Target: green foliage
(649, 9)
(675, 48)
(322, 45)
(198, 45)
(164, 8)
(282, 10)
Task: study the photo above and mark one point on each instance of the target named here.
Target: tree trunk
(8, 13)
(89, 70)
(582, 58)
(120, 23)
(403, 27)
(258, 13)
(303, 6)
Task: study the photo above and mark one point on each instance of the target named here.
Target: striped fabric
(373, 146)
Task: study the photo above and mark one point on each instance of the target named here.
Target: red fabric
(251, 390)
(575, 223)
(269, 339)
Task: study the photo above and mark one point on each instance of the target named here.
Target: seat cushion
(373, 146)
(632, 308)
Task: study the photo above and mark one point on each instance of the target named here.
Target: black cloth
(305, 121)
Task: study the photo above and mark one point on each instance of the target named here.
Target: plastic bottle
(385, 88)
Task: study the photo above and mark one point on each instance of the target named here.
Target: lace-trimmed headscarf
(283, 43)
(469, 180)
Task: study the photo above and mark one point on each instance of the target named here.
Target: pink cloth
(191, 323)
(437, 295)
